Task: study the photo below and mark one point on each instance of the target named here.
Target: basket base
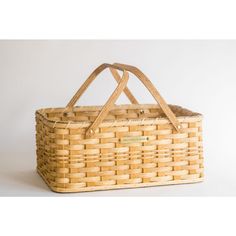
(113, 187)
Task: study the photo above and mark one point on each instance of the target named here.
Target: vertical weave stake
(110, 147)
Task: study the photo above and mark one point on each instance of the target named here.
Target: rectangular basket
(110, 147)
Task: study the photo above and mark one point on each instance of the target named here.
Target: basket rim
(138, 121)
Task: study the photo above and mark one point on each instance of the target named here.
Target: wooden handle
(109, 104)
(148, 84)
(122, 82)
(127, 92)
(92, 77)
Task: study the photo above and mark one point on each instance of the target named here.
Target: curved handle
(92, 77)
(121, 87)
(106, 108)
(148, 84)
(127, 92)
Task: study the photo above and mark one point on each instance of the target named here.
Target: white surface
(209, 19)
(199, 75)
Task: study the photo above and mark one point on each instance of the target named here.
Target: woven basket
(110, 147)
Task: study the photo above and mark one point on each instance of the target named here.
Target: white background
(197, 74)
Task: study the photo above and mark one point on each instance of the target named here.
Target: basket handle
(148, 84)
(110, 103)
(141, 76)
(127, 92)
(93, 76)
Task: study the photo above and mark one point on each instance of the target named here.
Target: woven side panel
(117, 157)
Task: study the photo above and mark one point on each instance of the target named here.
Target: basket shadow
(28, 179)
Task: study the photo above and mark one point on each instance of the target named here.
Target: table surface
(18, 177)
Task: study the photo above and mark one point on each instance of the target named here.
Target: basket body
(127, 150)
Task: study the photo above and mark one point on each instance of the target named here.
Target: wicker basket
(110, 147)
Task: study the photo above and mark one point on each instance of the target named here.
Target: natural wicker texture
(134, 146)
